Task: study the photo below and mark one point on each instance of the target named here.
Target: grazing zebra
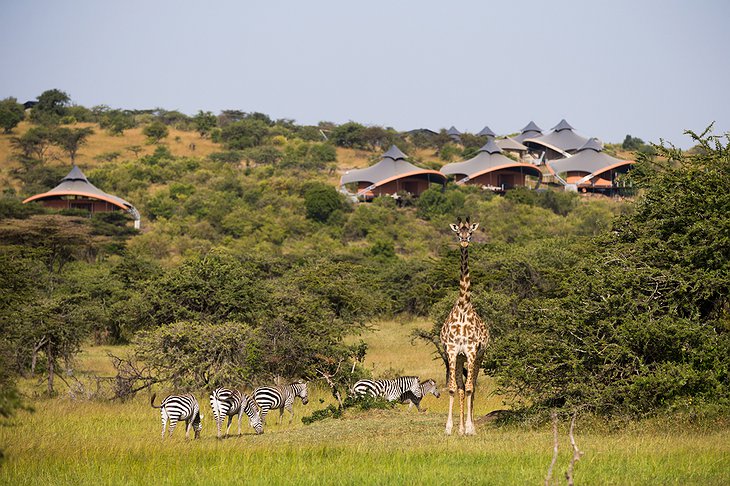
(391, 390)
(428, 386)
(180, 407)
(227, 402)
(281, 397)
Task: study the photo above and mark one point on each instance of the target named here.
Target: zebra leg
(290, 409)
(281, 415)
(240, 416)
(164, 424)
(228, 427)
(188, 426)
(173, 423)
(262, 414)
(218, 423)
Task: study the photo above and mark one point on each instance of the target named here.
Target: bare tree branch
(554, 417)
(576, 452)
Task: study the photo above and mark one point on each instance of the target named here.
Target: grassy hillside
(179, 143)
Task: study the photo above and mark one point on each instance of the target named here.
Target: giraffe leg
(460, 385)
(452, 391)
(461, 411)
(470, 378)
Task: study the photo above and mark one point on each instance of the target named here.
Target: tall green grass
(83, 442)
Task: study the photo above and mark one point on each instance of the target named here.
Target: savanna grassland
(81, 442)
(250, 265)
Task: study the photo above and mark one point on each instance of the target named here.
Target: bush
(192, 355)
(321, 200)
(641, 322)
(155, 131)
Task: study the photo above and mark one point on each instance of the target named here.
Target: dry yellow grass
(101, 142)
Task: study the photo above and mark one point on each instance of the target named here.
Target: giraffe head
(464, 230)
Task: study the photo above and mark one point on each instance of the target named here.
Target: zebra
(228, 402)
(180, 407)
(281, 397)
(391, 390)
(428, 386)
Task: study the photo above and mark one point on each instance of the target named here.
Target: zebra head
(198, 424)
(254, 418)
(300, 389)
(429, 386)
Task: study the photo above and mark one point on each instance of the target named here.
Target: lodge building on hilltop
(392, 174)
(589, 169)
(76, 192)
(561, 142)
(490, 169)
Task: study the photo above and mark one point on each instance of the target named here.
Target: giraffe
(464, 337)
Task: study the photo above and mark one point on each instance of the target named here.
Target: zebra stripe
(281, 397)
(428, 386)
(367, 387)
(229, 402)
(391, 390)
(180, 407)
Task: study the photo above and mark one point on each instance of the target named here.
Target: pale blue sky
(648, 68)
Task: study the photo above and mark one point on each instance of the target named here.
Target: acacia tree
(155, 131)
(205, 122)
(33, 144)
(71, 139)
(11, 114)
(51, 106)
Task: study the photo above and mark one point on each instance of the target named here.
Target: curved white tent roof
(509, 143)
(76, 184)
(561, 139)
(486, 132)
(391, 166)
(529, 131)
(488, 159)
(589, 159)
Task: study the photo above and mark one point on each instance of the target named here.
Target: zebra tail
(152, 401)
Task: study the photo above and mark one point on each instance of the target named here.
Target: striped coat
(281, 397)
(227, 402)
(391, 390)
(428, 386)
(180, 407)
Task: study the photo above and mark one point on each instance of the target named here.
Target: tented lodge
(76, 192)
(392, 174)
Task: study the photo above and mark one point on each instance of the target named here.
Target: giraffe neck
(465, 282)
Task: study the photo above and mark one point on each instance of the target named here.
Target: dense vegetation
(251, 265)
